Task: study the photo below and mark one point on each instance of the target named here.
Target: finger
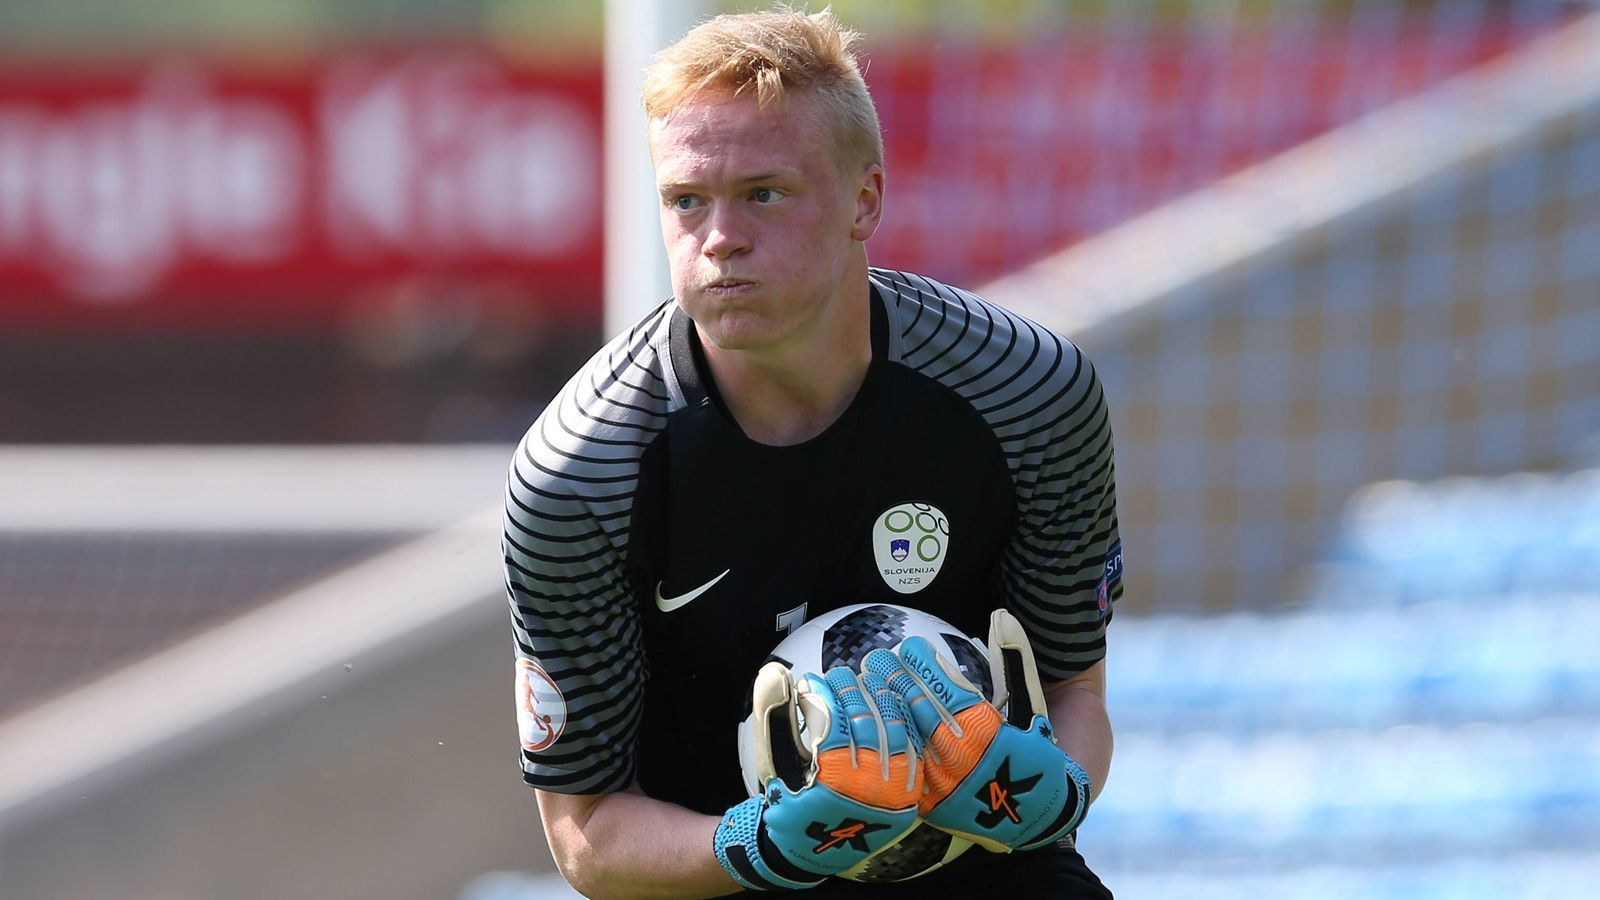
(826, 725)
(891, 708)
(902, 742)
(922, 711)
(942, 682)
(1010, 652)
(867, 729)
(774, 740)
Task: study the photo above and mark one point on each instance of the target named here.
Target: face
(763, 226)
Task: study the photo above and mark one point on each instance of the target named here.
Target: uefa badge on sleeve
(1110, 574)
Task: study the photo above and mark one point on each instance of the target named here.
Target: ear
(869, 203)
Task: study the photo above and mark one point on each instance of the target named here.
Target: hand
(831, 795)
(1000, 782)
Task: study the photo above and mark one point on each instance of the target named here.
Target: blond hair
(773, 53)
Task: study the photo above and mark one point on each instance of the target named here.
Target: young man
(724, 470)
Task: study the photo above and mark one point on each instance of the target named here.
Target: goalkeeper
(793, 432)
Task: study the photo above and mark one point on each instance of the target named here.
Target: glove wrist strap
(1073, 812)
(737, 844)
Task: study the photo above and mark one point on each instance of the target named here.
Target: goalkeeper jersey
(654, 554)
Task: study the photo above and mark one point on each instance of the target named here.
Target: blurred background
(281, 284)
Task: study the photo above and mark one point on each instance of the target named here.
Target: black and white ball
(842, 637)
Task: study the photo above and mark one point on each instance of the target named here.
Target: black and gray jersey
(655, 554)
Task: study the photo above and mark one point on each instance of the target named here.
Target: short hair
(773, 53)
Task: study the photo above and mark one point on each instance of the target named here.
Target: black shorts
(1057, 872)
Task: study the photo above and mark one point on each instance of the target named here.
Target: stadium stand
(1427, 724)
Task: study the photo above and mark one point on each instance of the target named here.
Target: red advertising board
(186, 191)
(191, 192)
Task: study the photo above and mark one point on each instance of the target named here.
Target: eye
(766, 195)
(685, 202)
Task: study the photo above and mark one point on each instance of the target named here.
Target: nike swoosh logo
(668, 604)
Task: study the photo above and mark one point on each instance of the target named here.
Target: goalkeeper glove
(832, 794)
(1000, 782)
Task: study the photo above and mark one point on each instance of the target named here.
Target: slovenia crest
(909, 544)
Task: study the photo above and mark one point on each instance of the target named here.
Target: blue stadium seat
(1426, 725)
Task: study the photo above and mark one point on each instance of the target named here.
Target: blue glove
(1002, 784)
(833, 793)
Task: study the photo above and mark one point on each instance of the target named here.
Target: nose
(726, 236)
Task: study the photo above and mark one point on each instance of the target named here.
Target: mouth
(728, 287)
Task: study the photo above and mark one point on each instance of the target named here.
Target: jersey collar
(689, 357)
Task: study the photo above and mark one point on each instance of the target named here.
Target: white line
(375, 610)
(260, 489)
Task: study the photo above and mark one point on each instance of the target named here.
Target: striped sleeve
(1041, 397)
(580, 665)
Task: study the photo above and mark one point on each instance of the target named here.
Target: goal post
(635, 262)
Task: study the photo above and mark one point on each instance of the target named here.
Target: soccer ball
(841, 638)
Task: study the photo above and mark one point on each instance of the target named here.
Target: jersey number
(789, 621)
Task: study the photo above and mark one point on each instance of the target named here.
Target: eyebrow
(772, 175)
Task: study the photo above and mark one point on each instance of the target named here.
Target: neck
(789, 394)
